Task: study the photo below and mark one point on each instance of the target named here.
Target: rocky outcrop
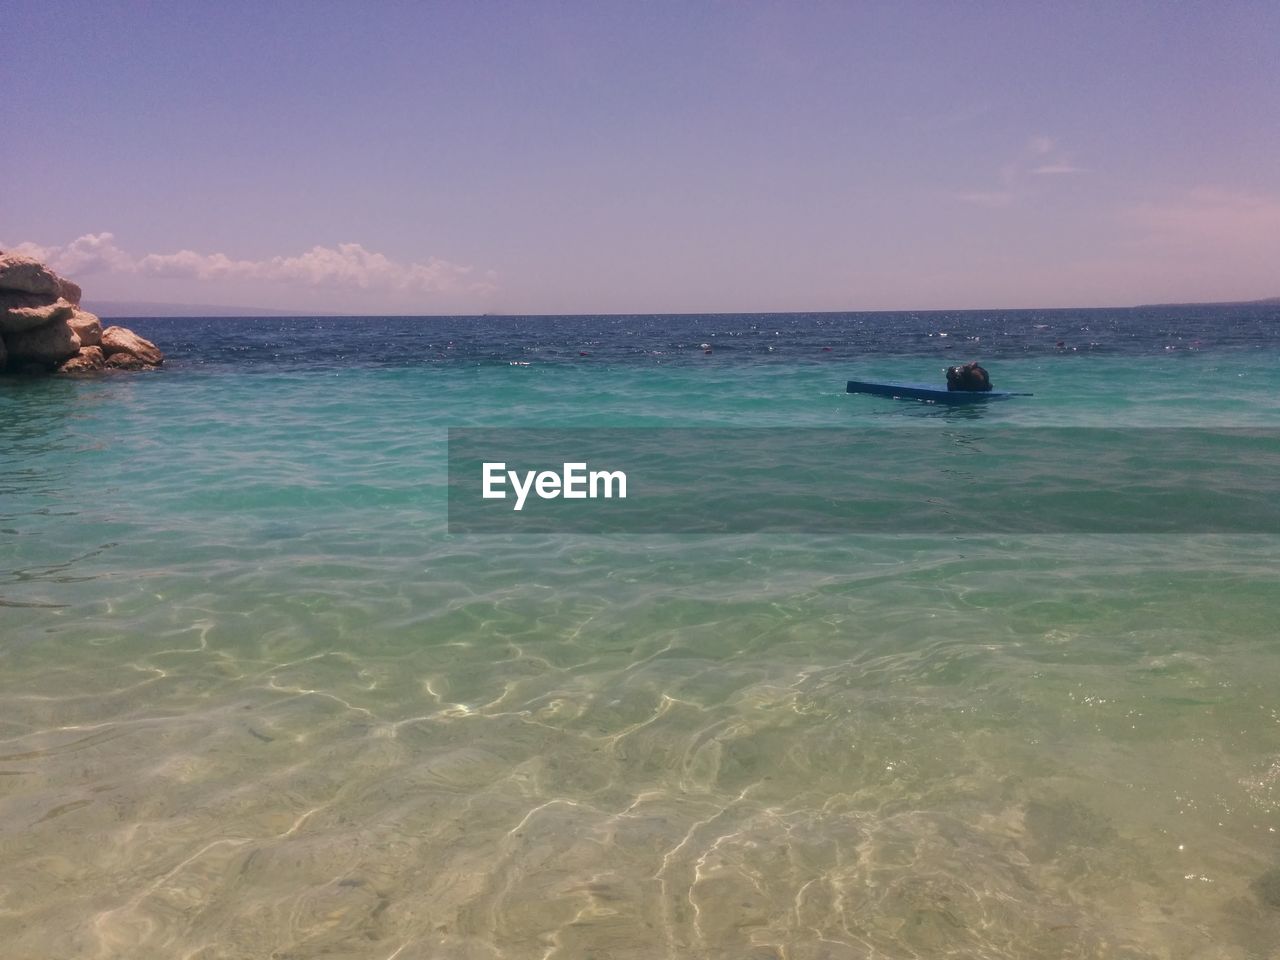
(49, 344)
(89, 328)
(125, 361)
(69, 291)
(42, 327)
(117, 340)
(28, 311)
(88, 360)
(26, 275)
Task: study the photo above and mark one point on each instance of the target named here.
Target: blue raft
(921, 391)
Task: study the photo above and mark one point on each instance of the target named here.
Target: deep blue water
(750, 338)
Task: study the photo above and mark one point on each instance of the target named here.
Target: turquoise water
(257, 701)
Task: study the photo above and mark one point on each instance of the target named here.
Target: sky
(607, 157)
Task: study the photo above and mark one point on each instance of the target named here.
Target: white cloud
(347, 266)
(1039, 157)
(192, 265)
(29, 249)
(90, 253)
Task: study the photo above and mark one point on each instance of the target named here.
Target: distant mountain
(134, 308)
(1265, 302)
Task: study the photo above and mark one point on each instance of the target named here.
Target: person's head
(976, 373)
(969, 376)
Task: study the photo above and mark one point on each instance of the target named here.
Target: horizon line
(267, 312)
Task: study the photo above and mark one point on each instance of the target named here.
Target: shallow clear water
(256, 701)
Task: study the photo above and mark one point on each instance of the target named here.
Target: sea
(258, 700)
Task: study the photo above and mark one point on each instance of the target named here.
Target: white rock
(122, 340)
(49, 344)
(87, 360)
(22, 273)
(28, 312)
(69, 290)
(87, 327)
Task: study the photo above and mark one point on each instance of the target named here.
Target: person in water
(970, 376)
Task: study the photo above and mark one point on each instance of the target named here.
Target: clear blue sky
(645, 156)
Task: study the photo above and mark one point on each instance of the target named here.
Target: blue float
(921, 391)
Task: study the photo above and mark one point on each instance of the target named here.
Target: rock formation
(89, 329)
(86, 361)
(48, 344)
(43, 329)
(26, 275)
(117, 340)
